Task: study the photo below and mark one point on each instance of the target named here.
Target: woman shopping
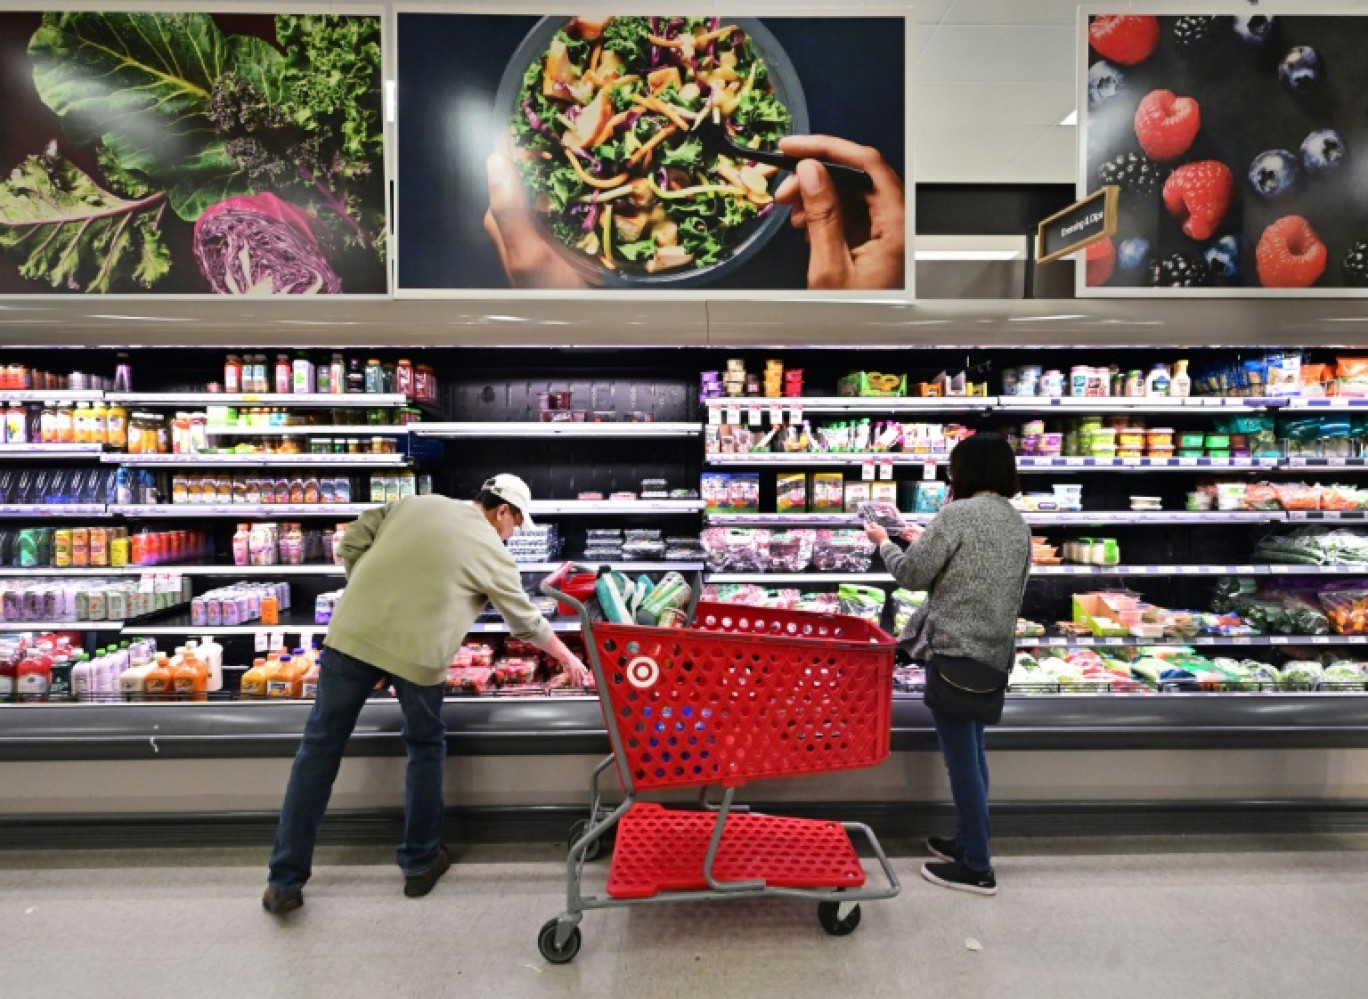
(973, 560)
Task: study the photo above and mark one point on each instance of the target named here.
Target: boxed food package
(1106, 615)
(743, 491)
(871, 383)
(856, 496)
(828, 493)
(716, 491)
(884, 492)
(931, 497)
(791, 493)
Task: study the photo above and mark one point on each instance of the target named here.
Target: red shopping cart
(740, 694)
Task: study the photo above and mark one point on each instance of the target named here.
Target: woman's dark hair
(983, 463)
(491, 501)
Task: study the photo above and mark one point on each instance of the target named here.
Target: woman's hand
(876, 534)
(528, 260)
(913, 532)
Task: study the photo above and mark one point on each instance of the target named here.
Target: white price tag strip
(929, 472)
(886, 471)
(1320, 640)
(261, 641)
(867, 471)
(734, 415)
(796, 415)
(776, 416)
(754, 416)
(1279, 640)
(714, 416)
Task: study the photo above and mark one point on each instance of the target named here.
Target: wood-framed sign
(1079, 226)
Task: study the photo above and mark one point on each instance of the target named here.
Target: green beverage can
(30, 547)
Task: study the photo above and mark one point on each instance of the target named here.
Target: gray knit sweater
(974, 559)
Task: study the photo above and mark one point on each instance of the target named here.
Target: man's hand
(528, 260)
(577, 672)
(859, 241)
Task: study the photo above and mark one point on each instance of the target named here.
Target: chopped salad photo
(605, 137)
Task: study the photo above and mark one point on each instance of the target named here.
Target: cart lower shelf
(657, 849)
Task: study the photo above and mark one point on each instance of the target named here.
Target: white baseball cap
(515, 492)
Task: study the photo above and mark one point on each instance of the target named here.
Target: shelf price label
(754, 416)
(1241, 640)
(867, 471)
(886, 471)
(929, 471)
(714, 416)
(734, 415)
(776, 414)
(1320, 640)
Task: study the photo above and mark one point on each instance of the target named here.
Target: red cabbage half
(259, 245)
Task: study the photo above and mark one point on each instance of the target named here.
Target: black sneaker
(945, 849)
(418, 885)
(955, 875)
(278, 901)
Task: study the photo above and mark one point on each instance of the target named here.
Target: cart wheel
(546, 943)
(828, 914)
(595, 849)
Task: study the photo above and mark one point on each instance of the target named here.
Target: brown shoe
(278, 901)
(418, 885)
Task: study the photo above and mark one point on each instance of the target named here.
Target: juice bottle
(308, 682)
(285, 682)
(66, 425)
(158, 684)
(116, 426)
(232, 375)
(133, 681)
(61, 678)
(16, 424)
(33, 676)
(1180, 385)
(270, 609)
(191, 678)
(9, 671)
(80, 422)
(82, 680)
(47, 424)
(284, 375)
(210, 653)
(254, 680)
(99, 547)
(80, 547)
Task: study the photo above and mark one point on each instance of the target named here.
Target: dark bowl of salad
(600, 116)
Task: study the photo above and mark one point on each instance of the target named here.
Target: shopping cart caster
(546, 943)
(829, 915)
(595, 849)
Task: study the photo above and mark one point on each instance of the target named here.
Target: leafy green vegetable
(698, 239)
(332, 81)
(627, 37)
(762, 114)
(577, 50)
(142, 83)
(687, 154)
(642, 249)
(75, 234)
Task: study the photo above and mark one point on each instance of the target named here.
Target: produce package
(1347, 609)
(1315, 546)
(791, 551)
(843, 551)
(885, 515)
(869, 383)
(905, 604)
(736, 550)
(469, 680)
(866, 602)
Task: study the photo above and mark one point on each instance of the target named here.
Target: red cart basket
(740, 694)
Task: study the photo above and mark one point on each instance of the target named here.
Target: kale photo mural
(191, 153)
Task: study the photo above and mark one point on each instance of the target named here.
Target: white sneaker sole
(956, 885)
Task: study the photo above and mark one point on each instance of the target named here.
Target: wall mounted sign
(1238, 142)
(632, 154)
(1077, 227)
(191, 154)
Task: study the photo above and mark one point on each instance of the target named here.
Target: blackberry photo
(1180, 270)
(1356, 265)
(1133, 173)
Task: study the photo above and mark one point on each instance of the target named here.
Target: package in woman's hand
(886, 515)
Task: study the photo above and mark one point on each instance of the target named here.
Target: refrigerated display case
(655, 427)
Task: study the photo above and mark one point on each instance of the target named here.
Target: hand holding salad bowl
(650, 151)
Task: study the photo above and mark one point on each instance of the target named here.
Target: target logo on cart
(643, 672)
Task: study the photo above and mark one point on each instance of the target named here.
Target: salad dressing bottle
(1180, 386)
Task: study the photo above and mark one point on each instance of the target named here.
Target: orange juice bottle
(191, 678)
(159, 685)
(286, 681)
(308, 682)
(254, 680)
(270, 609)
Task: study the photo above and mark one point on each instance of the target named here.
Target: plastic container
(1159, 437)
(1218, 442)
(1192, 440)
(1132, 439)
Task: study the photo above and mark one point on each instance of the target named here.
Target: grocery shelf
(1214, 641)
(1105, 517)
(1337, 403)
(1152, 570)
(1114, 404)
(25, 396)
(257, 460)
(365, 400)
(50, 450)
(537, 429)
(37, 572)
(53, 510)
(858, 404)
(799, 577)
(1081, 464)
(179, 624)
(810, 459)
(793, 520)
(500, 628)
(355, 429)
(622, 565)
(550, 507)
(1351, 515)
(307, 569)
(1297, 462)
(10, 627)
(193, 510)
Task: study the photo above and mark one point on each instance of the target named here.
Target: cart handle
(548, 585)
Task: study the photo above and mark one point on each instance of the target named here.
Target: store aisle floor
(1152, 918)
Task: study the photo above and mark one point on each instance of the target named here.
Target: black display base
(901, 825)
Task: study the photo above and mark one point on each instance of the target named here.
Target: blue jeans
(344, 683)
(966, 764)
